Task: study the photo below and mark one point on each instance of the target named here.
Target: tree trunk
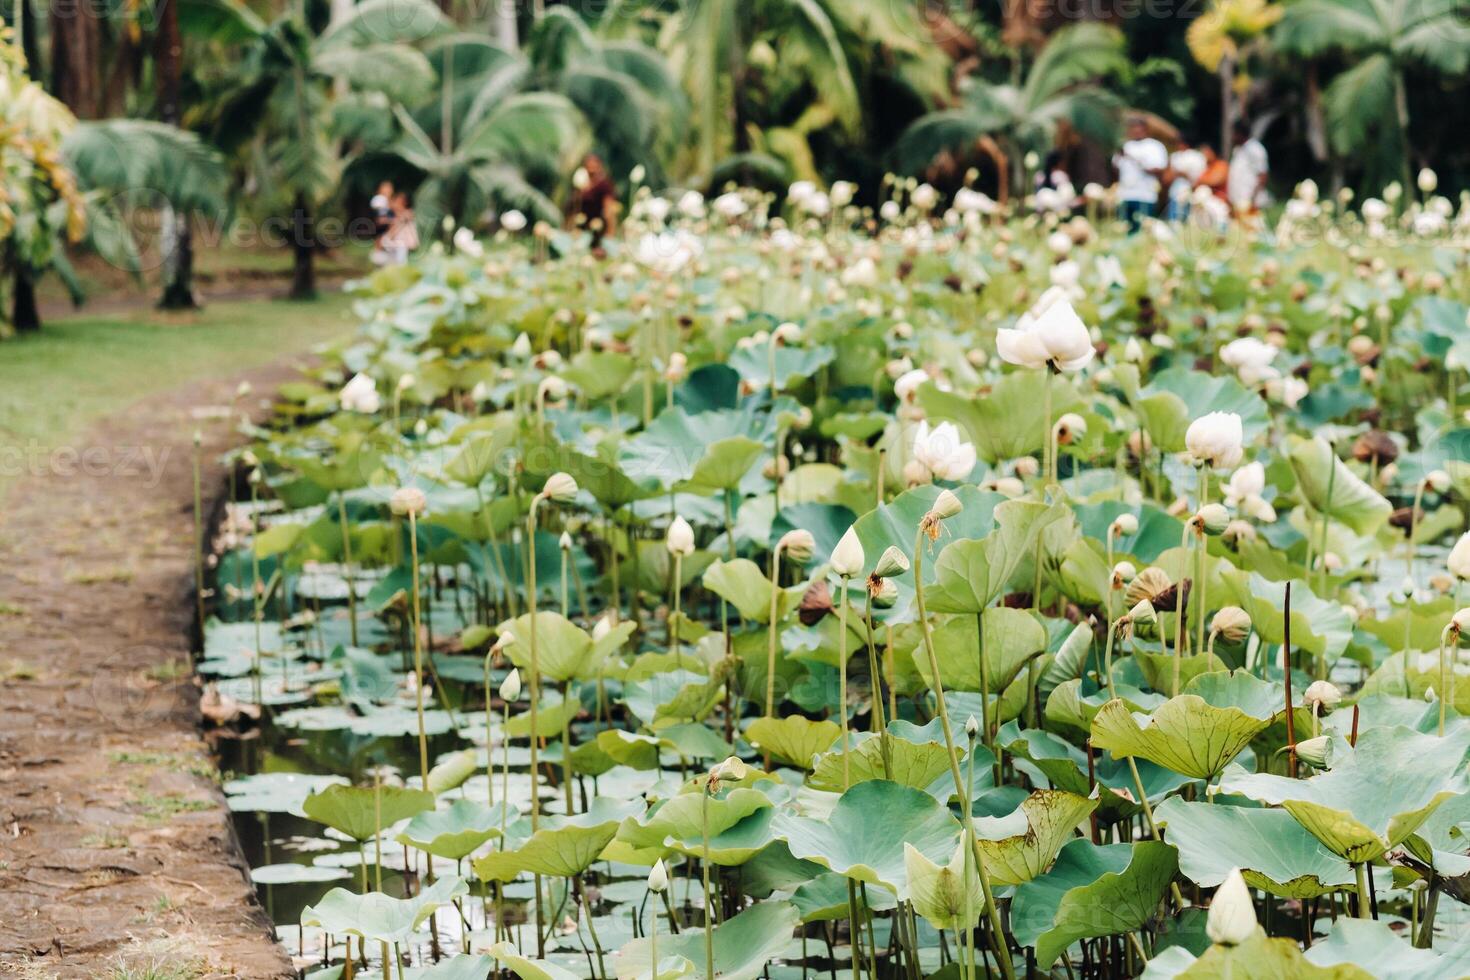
(503, 25)
(76, 56)
(1401, 111)
(303, 250)
(1316, 120)
(1227, 103)
(25, 317)
(168, 59)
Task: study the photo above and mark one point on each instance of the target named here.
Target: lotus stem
(879, 721)
(256, 598)
(1365, 903)
(535, 702)
(1409, 555)
(674, 621)
(489, 755)
(347, 565)
(709, 905)
(1048, 443)
(842, 681)
(1199, 566)
(966, 804)
(198, 541)
(771, 631)
(1446, 675)
(418, 650)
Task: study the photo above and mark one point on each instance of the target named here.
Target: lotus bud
(408, 502)
(1213, 518)
(798, 546)
(786, 335)
(1459, 559)
(1238, 531)
(1461, 620)
(1123, 573)
(892, 562)
(510, 688)
(946, 505)
(1143, 612)
(564, 542)
(680, 539)
(1125, 524)
(1322, 695)
(886, 594)
(1027, 467)
(776, 468)
(560, 488)
(1071, 428)
(972, 727)
(1216, 439)
(848, 557)
(1008, 486)
(1315, 752)
(677, 369)
(522, 346)
(1438, 481)
(1429, 694)
(658, 878)
(916, 473)
(551, 389)
(1232, 917)
(1231, 623)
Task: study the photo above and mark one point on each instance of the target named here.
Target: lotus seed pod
(560, 487)
(1232, 623)
(408, 502)
(946, 505)
(1323, 695)
(886, 595)
(798, 546)
(1143, 612)
(1125, 524)
(892, 562)
(1213, 518)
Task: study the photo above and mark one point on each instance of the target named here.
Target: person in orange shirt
(1216, 174)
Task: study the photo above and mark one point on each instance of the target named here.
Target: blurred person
(381, 205)
(1186, 165)
(594, 200)
(1141, 162)
(1216, 174)
(1249, 167)
(402, 236)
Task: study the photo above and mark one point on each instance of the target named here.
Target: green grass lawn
(54, 384)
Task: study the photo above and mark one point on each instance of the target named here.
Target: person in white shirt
(1249, 166)
(1141, 162)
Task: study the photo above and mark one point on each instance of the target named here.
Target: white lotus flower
(1428, 180)
(1232, 917)
(669, 251)
(680, 539)
(658, 878)
(1375, 210)
(1288, 391)
(944, 451)
(908, 385)
(863, 272)
(1251, 358)
(730, 205)
(890, 211)
(360, 395)
(969, 201)
(842, 193)
(1216, 439)
(655, 208)
(691, 204)
(848, 556)
(1050, 332)
(800, 190)
(1459, 559)
(513, 221)
(924, 197)
(1059, 242)
(465, 242)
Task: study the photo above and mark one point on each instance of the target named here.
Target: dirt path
(115, 845)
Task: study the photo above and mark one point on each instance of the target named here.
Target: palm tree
(277, 102)
(1061, 87)
(1367, 106)
(1223, 37)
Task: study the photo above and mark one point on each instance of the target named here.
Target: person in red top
(595, 203)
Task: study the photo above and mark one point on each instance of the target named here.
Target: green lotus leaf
(1011, 638)
(1270, 848)
(1068, 662)
(527, 968)
(1258, 956)
(564, 651)
(452, 770)
(599, 374)
(478, 455)
(1005, 423)
(361, 811)
(916, 764)
(1318, 626)
(1091, 891)
(1374, 796)
(296, 874)
(742, 945)
(1372, 946)
(1332, 488)
(553, 715)
(793, 739)
(1023, 845)
(1075, 703)
(702, 453)
(1195, 734)
(1158, 668)
(793, 365)
(562, 846)
(896, 522)
(1065, 767)
(746, 587)
(626, 748)
(275, 792)
(824, 899)
(678, 822)
(463, 967)
(973, 573)
(948, 896)
(864, 835)
(378, 918)
(1157, 531)
(452, 833)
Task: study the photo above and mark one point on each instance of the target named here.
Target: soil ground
(118, 857)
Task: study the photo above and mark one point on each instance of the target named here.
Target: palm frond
(383, 21)
(558, 40)
(1360, 103)
(934, 133)
(142, 159)
(1076, 53)
(398, 71)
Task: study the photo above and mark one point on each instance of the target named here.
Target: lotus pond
(791, 593)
